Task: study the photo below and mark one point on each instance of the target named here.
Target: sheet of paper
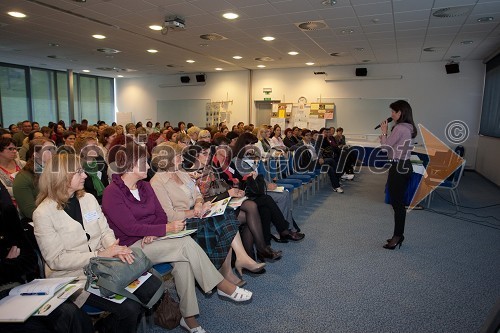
(177, 234)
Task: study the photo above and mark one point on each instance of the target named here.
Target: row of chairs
(283, 171)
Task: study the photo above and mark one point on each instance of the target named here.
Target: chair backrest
(460, 150)
(457, 175)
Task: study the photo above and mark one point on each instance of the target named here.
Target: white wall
(488, 159)
(436, 97)
(140, 95)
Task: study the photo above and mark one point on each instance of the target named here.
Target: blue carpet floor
(445, 277)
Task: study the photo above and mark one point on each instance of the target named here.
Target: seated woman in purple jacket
(137, 218)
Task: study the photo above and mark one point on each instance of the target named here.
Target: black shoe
(293, 236)
(279, 240)
(394, 242)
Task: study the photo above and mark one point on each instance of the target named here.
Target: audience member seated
(94, 166)
(26, 145)
(70, 228)
(247, 213)
(9, 164)
(26, 183)
(237, 173)
(18, 264)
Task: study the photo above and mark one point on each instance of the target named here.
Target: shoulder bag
(112, 275)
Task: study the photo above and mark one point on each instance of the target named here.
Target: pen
(31, 294)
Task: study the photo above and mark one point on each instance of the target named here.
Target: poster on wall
(322, 110)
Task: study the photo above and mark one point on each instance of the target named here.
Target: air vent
(212, 36)
(312, 25)
(107, 50)
(264, 59)
(452, 11)
(430, 49)
(116, 69)
(337, 54)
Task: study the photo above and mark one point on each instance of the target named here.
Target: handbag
(112, 275)
(255, 187)
(167, 314)
(216, 187)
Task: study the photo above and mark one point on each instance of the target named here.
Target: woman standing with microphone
(398, 145)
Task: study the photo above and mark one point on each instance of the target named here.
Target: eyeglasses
(80, 171)
(11, 148)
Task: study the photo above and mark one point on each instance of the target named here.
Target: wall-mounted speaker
(200, 78)
(361, 71)
(185, 79)
(452, 68)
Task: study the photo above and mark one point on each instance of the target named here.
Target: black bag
(255, 187)
(167, 314)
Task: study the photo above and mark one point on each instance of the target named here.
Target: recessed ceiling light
(309, 63)
(17, 14)
(53, 44)
(119, 76)
(328, 2)
(155, 27)
(85, 70)
(218, 69)
(455, 57)
(190, 61)
(430, 49)
(347, 31)
(152, 51)
(360, 49)
(204, 45)
(466, 42)
(485, 19)
(293, 53)
(230, 16)
(261, 66)
(237, 57)
(99, 36)
(268, 38)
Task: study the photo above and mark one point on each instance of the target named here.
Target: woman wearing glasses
(9, 164)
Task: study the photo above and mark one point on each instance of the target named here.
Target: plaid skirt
(215, 234)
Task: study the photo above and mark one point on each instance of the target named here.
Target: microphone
(388, 120)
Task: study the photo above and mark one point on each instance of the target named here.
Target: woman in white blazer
(70, 228)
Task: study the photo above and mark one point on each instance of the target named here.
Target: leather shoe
(294, 236)
(269, 254)
(282, 239)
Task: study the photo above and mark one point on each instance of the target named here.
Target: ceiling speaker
(452, 68)
(185, 79)
(361, 71)
(200, 78)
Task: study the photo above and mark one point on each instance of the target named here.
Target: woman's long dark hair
(243, 140)
(406, 114)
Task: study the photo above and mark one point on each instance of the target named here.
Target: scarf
(91, 169)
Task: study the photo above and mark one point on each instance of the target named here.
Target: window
(43, 96)
(13, 95)
(46, 98)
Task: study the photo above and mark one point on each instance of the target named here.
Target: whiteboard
(186, 110)
(359, 115)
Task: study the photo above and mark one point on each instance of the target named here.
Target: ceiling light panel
(17, 14)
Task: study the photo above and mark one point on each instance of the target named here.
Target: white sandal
(239, 295)
(198, 329)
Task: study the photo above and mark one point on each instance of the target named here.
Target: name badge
(231, 170)
(91, 216)
(99, 174)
